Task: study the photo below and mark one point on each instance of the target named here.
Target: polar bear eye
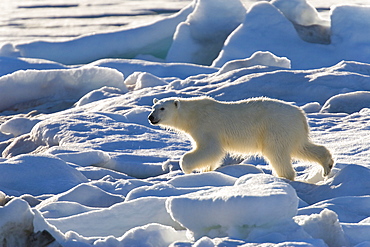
(162, 109)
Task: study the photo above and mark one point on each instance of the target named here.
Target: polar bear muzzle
(152, 119)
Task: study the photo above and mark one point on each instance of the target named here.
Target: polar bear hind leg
(281, 162)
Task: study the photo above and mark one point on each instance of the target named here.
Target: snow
(17, 229)
(349, 209)
(60, 209)
(82, 166)
(348, 102)
(356, 234)
(125, 215)
(203, 179)
(324, 226)
(265, 24)
(258, 58)
(151, 234)
(41, 86)
(235, 219)
(336, 186)
(203, 33)
(57, 175)
(13, 64)
(157, 68)
(92, 47)
(350, 19)
(139, 80)
(299, 12)
(86, 195)
(18, 126)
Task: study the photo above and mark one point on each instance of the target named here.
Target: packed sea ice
(82, 166)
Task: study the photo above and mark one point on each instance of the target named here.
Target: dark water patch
(93, 16)
(323, 9)
(100, 4)
(48, 6)
(112, 25)
(18, 25)
(48, 36)
(159, 11)
(22, 26)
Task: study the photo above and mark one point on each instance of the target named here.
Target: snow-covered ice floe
(82, 166)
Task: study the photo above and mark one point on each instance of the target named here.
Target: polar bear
(274, 129)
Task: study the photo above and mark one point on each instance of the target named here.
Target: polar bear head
(164, 111)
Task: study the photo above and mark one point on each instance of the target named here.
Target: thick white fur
(274, 129)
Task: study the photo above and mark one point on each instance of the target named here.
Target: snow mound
(23, 226)
(96, 173)
(349, 181)
(311, 107)
(348, 25)
(265, 28)
(40, 86)
(347, 103)
(139, 80)
(161, 190)
(202, 179)
(9, 65)
(306, 20)
(262, 27)
(221, 212)
(18, 126)
(349, 209)
(152, 235)
(204, 32)
(126, 215)
(40, 175)
(82, 158)
(258, 58)
(99, 94)
(17, 223)
(208, 242)
(61, 209)
(86, 195)
(299, 11)
(323, 226)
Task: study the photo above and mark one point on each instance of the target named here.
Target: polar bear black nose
(152, 120)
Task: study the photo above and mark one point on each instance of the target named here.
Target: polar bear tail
(318, 154)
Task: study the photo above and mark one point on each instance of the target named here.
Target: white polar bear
(274, 129)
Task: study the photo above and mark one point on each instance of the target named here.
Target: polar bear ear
(155, 100)
(177, 103)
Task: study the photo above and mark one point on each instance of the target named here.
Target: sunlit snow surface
(81, 161)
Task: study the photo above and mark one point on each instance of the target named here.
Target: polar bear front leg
(206, 156)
